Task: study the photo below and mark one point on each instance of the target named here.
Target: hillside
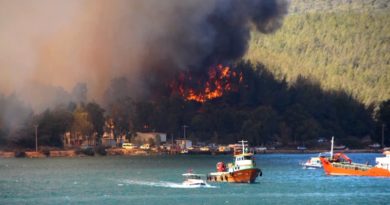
(345, 45)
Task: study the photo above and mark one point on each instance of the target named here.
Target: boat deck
(355, 166)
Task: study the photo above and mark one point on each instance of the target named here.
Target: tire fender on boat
(260, 173)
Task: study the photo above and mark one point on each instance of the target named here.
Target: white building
(76, 140)
(146, 137)
(184, 144)
(108, 139)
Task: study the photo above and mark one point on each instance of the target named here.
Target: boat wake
(309, 168)
(167, 184)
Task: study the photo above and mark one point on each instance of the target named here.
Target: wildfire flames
(221, 79)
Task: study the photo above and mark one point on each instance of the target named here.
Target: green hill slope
(342, 44)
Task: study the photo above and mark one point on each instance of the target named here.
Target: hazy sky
(59, 43)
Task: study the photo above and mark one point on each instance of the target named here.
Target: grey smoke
(47, 47)
(200, 38)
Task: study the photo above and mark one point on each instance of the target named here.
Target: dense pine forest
(325, 72)
(344, 45)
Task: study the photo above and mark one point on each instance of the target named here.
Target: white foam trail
(166, 184)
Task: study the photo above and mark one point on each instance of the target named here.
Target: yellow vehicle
(128, 146)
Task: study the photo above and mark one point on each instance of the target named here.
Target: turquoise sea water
(157, 180)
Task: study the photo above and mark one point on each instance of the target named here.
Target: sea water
(158, 180)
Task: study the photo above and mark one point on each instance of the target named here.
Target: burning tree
(220, 80)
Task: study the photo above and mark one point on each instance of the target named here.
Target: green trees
(96, 117)
(17, 123)
(383, 114)
(383, 122)
(81, 124)
(120, 105)
(52, 124)
(343, 46)
(261, 125)
(263, 110)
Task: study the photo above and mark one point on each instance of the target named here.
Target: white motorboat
(314, 162)
(194, 180)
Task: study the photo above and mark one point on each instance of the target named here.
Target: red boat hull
(352, 170)
(240, 176)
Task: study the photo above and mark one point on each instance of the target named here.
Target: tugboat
(242, 170)
(341, 164)
(383, 162)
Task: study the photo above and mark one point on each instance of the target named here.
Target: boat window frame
(247, 157)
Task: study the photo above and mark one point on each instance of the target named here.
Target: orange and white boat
(243, 170)
(340, 164)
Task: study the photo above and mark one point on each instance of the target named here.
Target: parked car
(145, 146)
(128, 146)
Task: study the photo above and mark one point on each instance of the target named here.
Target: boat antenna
(331, 147)
(243, 145)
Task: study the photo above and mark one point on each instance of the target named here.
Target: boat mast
(243, 145)
(331, 147)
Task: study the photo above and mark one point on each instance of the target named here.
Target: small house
(147, 137)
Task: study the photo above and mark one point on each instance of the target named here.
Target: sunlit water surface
(158, 180)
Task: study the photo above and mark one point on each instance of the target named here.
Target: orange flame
(219, 82)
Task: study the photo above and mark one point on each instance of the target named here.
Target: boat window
(193, 177)
(247, 157)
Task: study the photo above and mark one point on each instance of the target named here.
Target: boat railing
(354, 166)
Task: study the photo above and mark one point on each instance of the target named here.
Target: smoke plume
(47, 47)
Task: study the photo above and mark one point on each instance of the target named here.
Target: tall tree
(81, 122)
(383, 114)
(261, 127)
(120, 105)
(52, 124)
(383, 118)
(96, 117)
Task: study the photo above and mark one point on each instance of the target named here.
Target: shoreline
(123, 152)
(313, 151)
